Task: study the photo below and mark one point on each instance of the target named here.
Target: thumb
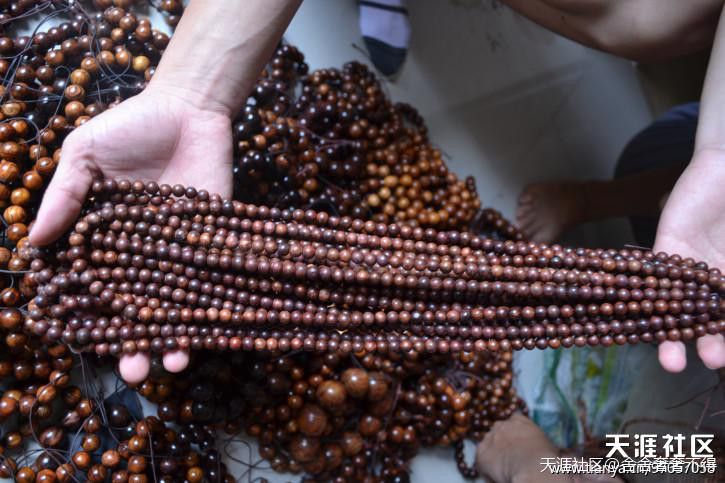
(66, 193)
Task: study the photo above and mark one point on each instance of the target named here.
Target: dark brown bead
(312, 420)
(65, 473)
(377, 387)
(51, 437)
(331, 394)
(46, 475)
(355, 381)
(97, 473)
(304, 448)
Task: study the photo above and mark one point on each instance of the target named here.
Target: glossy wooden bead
(194, 474)
(137, 464)
(81, 460)
(65, 473)
(20, 197)
(9, 171)
(331, 394)
(355, 381)
(304, 448)
(46, 476)
(312, 420)
(32, 180)
(97, 473)
(80, 77)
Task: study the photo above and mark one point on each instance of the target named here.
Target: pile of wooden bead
(54, 81)
(340, 417)
(41, 403)
(164, 267)
(332, 141)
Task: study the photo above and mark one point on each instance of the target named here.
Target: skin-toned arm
(219, 49)
(644, 30)
(178, 130)
(693, 220)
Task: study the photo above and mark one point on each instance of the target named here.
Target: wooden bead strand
(452, 291)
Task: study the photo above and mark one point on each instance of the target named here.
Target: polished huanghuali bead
(153, 268)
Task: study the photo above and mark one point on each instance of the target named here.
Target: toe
(527, 196)
(134, 367)
(524, 210)
(532, 229)
(176, 361)
(711, 349)
(543, 234)
(672, 356)
(524, 219)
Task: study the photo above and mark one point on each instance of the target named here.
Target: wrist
(198, 97)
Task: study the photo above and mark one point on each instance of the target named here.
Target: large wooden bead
(312, 420)
(304, 448)
(331, 394)
(355, 381)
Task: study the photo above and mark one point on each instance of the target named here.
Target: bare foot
(546, 210)
(513, 450)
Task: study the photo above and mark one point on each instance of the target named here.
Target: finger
(65, 195)
(711, 349)
(672, 356)
(176, 361)
(134, 368)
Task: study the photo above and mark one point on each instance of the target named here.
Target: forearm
(636, 29)
(711, 125)
(220, 47)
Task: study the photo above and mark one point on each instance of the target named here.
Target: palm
(693, 225)
(693, 221)
(154, 138)
(151, 136)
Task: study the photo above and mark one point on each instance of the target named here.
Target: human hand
(693, 225)
(512, 450)
(161, 135)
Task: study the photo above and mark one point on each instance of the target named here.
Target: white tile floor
(509, 102)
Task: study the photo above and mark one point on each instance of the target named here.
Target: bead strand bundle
(392, 368)
(328, 140)
(163, 267)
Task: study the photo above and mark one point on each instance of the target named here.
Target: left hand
(157, 135)
(693, 225)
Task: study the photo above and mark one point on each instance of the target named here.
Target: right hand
(692, 225)
(161, 134)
